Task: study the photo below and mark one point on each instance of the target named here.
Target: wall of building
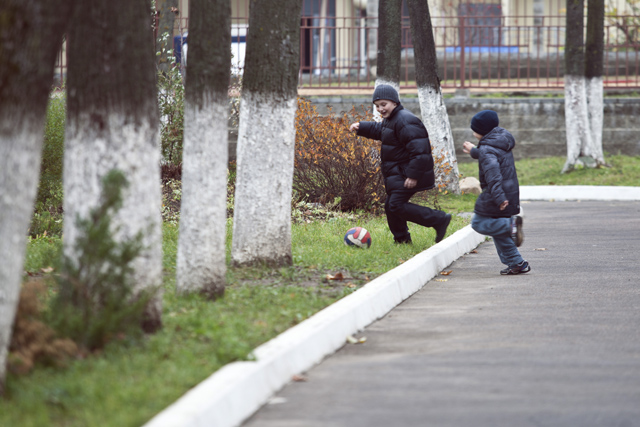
(536, 123)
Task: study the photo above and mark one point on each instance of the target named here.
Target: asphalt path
(559, 346)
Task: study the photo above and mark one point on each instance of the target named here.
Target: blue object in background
(177, 47)
(484, 49)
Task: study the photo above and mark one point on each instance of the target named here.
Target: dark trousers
(399, 211)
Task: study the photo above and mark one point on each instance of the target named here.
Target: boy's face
(477, 135)
(385, 107)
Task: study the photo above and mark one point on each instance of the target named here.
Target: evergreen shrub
(96, 300)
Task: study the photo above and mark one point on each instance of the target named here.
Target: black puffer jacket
(498, 177)
(405, 152)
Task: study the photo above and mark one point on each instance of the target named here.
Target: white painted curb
(578, 192)
(236, 391)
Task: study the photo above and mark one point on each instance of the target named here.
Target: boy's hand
(354, 127)
(467, 147)
(410, 183)
(504, 205)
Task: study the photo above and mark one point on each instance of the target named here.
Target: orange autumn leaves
(336, 168)
(332, 165)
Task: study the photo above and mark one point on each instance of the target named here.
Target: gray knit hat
(386, 92)
(484, 122)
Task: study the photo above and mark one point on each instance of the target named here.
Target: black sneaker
(403, 241)
(521, 268)
(516, 230)
(441, 230)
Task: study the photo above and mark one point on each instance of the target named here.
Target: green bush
(171, 105)
(96, 301)
(47, 217)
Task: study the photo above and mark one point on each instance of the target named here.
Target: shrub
(32, 341)
(171, 105)
(332, 165)
(96, 302)
(47, 217)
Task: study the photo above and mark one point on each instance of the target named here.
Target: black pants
(399, 211)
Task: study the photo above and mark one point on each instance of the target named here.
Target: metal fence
(477, 48)
(470, 54)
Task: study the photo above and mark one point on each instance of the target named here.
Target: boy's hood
(499, 138)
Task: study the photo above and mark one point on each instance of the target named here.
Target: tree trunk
(389, 46)
(575, 92)
(30, 38)
(266, 135)
(113, 124)
(166, 14)
(201, 264)
(432, 106)
(389, 43)
(593, 72)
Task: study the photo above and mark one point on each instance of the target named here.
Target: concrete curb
(578, 192)
(236, 391)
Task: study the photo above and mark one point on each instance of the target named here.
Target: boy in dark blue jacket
(497, 208)
(406, 164)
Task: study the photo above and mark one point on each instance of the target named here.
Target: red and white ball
(358, 236)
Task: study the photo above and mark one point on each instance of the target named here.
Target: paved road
(559, 346)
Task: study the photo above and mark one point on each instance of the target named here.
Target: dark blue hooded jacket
(498, 177)
(405, 151)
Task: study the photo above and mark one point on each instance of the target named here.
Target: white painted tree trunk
(20, 154)
(265, 156)
(595, 100)
(201, 263)
(133, 148)
(576, 121)
(436, 120)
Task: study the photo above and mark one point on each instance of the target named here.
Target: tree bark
(30, 38)
(389, 46)
(432, 106)
(389, 43)
(575, 98)
(594, 52)
(201, 265)
(266, 135)
(113, 124)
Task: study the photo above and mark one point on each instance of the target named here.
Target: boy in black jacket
(407, 165)
(497, 208)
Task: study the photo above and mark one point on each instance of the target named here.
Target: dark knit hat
(386, 92)
(484, 122)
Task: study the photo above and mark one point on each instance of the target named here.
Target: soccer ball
(357, 236)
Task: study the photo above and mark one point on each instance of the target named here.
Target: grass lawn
(129, 382)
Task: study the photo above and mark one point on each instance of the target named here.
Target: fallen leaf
(299, 378)
(446, 273)
(351, 339)
(540, 249)
(337, 276)
(441, 280)
(47, 269)
(350, 285)
(473, 252)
